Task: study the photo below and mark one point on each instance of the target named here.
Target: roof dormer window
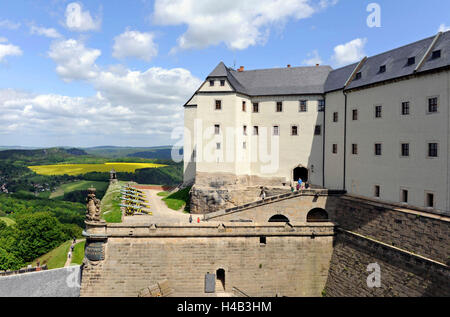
(222, 83)
(211, 83)
(411, 61)
(358, 76)
(436, 54)
(382, 69)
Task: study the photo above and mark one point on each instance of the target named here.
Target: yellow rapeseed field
(78, 169)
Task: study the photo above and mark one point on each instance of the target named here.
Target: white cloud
(132, 103)
(135, 44)
(7, 24)
(350, 52)
(79, 20)
(444, 28)
(48, 32)
(8, 49)
(313, 59)
(74, 61)
(239, 24)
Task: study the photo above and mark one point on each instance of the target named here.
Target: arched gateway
(301, 172)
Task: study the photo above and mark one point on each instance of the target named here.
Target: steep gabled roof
(283, 81)
(337, 78)
(321, 79)
(276, 81)
(220, 71)
(396, 64)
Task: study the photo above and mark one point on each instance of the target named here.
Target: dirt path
(69, 260)
(161, 213)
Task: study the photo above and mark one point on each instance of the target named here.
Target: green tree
(9, 261)
(2, 225)
(37, 234)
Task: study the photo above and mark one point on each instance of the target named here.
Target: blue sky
(116, 72)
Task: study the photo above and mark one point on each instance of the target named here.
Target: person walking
(299, 185)
(190, 219)
(262, 195)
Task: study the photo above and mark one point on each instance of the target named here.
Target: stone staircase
(274, 199)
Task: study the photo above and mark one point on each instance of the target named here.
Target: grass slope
(56, 258)
(178, 200)
(78, 253)
(110, 204)
(80, 185)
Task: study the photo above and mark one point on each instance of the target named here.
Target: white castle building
(379, 128)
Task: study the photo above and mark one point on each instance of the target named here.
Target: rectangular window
(321, 107)
(378, 111)
(294, 130)
(276, 130)
(211, 83)
(244, 106)
(436, 54)
(218, 146)
(432, 105)
(255, 130)
(405, 108)
(355, 114)
(377, 191)
(405, 149)
(383, 69)
(245, 130)
(218, 104)
(432, 150)
(335, 117)
(244, 145)
(318, 130)
(335, 149)
(217, 129)
(222, 83)
(430, 200)
(279, 106)
(358, 76)
(303, 106)
(378, 151)
(355, 149)
(256, 107)
(405, 196)
(411, 61)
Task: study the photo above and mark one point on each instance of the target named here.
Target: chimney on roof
(241, 69)
(289, 65)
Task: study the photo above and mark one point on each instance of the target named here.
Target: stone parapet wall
(220, 229)
(261, 260)
(402, 273)
(422, 233)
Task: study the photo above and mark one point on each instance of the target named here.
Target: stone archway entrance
(301, 172)
(317, 215)
(279, 218)
(220, 280)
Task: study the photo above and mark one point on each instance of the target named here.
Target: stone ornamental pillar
(95, 232)
(113, 176)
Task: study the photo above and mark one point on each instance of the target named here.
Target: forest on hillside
(32, 223)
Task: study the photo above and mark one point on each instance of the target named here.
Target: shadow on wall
(401, 273)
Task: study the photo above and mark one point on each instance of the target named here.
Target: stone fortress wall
(259, 260)
(277, 259)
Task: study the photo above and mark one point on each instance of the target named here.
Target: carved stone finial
(93, 206)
